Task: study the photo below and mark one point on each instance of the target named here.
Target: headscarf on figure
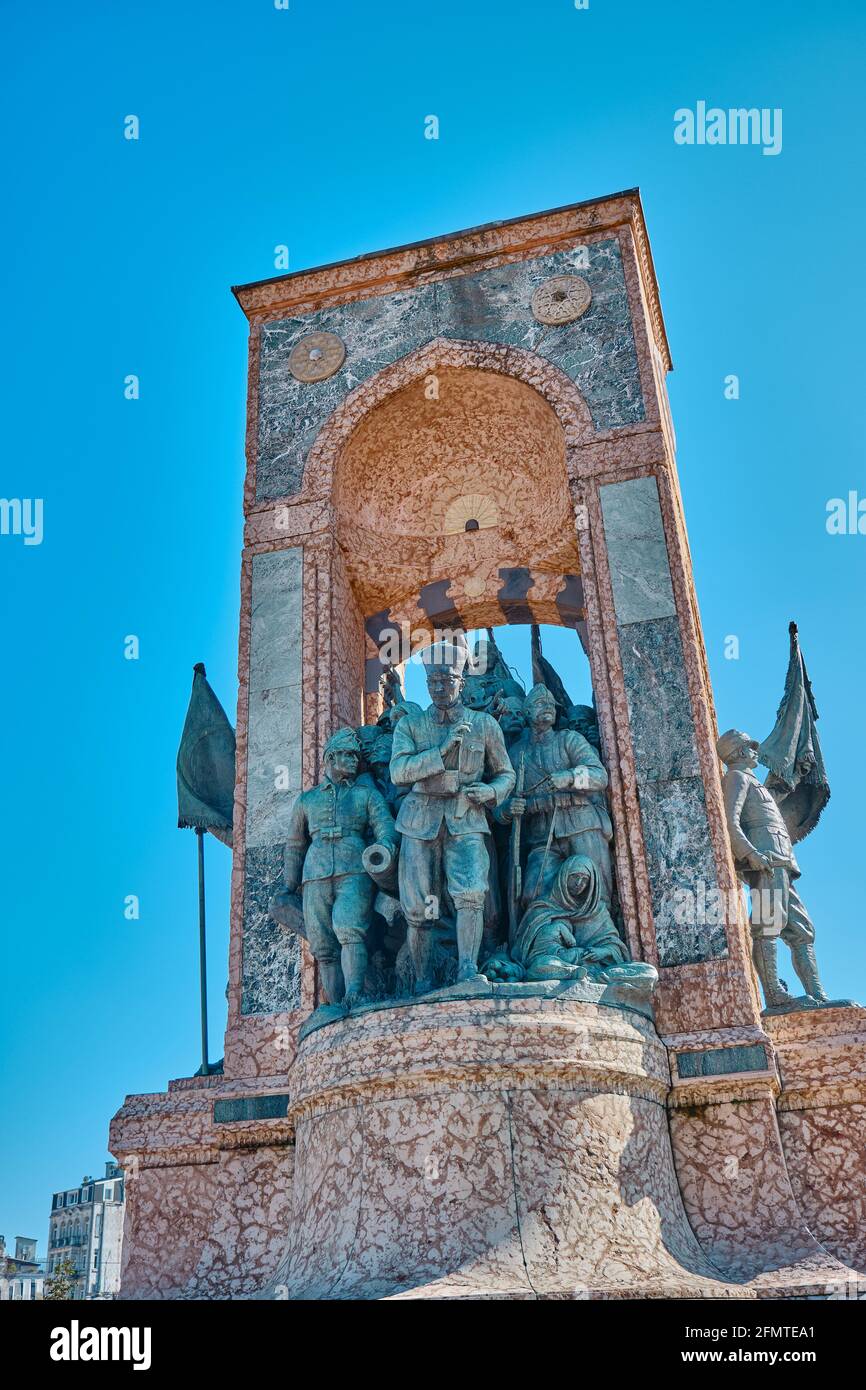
(569, 928)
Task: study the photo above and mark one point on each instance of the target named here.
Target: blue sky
(305, 127)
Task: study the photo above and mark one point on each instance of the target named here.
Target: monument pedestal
(509, 1147)
(498, 1148)
(208, 1168)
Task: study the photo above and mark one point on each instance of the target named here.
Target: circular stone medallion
(317, 356)
(561, 299)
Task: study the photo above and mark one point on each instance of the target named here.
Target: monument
(479, 1045)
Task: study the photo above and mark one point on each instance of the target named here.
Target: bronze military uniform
(764, 859)
(443, 832)
(755, 823)
(582, 824)
(330, 827)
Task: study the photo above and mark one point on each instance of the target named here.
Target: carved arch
(549, 381)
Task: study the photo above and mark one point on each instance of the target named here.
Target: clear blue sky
(305, 127)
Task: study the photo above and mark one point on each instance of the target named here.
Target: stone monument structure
(476, 1048)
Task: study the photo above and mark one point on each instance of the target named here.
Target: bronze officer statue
(330, 827)
(764, 859)
(453, 759)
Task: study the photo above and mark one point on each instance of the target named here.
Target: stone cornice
(712, 1038)
(819, 1097)
(475, 248)
(140, 1155)
(566, 1075)
(835, 1023)
(723, 1090)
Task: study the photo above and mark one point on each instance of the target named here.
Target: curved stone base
(498, 1148)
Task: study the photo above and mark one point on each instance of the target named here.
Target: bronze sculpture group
(471, 841)
(425, 860)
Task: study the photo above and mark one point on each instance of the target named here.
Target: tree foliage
(61, 1284)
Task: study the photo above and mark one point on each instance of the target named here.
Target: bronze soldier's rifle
(515, 885)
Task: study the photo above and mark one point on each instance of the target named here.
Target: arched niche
(454, 432)
(452, 507)
(459, 473)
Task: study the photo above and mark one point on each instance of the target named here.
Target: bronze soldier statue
(454, 761)
(563, 800)
(509, 711)
(764, 859)
(330, 827)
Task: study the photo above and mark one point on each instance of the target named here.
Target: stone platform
(630, 986)
(822, 1117)
(508, 1148)
(494, 1148)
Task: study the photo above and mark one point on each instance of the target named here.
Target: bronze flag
(206, 763)
(792, 752)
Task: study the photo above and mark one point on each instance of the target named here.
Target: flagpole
(202, 952)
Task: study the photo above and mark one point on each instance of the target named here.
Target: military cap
(343, 741)
(540, 693)
(452, 655)
(730, 743)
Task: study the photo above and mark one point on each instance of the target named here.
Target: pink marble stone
(478, 1148)
(496, 1149)
(822, 1119)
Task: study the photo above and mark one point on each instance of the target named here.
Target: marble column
(266, 988)
(671, 792)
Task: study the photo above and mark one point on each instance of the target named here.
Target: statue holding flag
(765, 821)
